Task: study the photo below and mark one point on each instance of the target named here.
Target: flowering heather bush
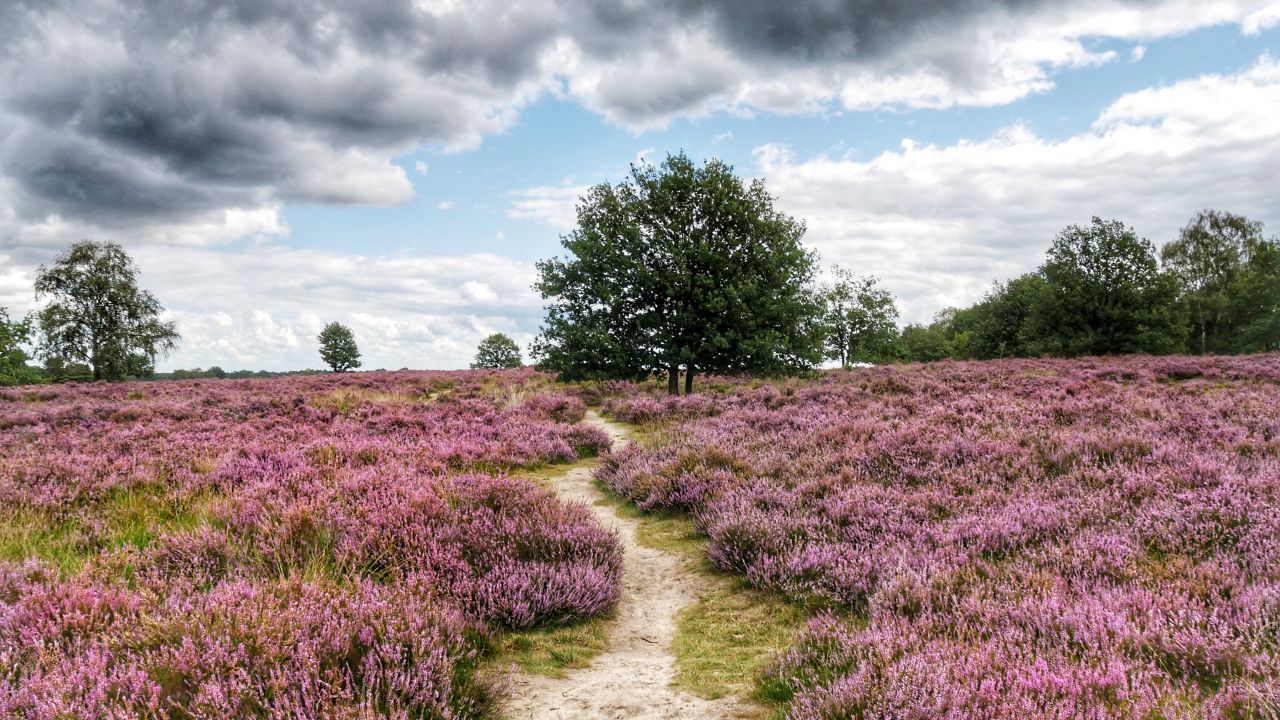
(310, 547)
(284, 648)
(1014, 539)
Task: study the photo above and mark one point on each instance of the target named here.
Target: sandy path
(632, 679)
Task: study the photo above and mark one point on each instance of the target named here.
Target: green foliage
(59, 371)
(97, 316)
(1231, 287)
(1104, 294)
(859, 319)
(925, 343)
(338, 347)
(1254, 299)
(497, 351)
(214, 372)
(679, 266)
(217, 373)
(1208, 260)
(995, 327)
(13, 359)
(1100, 291)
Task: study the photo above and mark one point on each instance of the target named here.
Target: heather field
(318, 547)
(1094, 538)
(1012, 539)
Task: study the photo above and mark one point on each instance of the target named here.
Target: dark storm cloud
(834, 30)
(160, 108)
(55, 173)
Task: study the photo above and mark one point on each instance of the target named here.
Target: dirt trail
(632, 679)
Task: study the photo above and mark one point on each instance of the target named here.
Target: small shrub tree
(338, 347)
(497, 351)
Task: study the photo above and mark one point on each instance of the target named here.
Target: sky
(399, 166)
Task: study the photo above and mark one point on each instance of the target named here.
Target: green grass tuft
(724, 641)
(550, 651)
(134, 517)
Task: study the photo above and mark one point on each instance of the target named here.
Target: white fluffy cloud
(263, 307)
(553, 205)
(939, 223)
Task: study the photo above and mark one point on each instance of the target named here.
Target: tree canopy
(497, 351)
(98, 316)
(1219, 258)
(1101, 291)
(680, 266)
(1253, 299)
(1104, 293)
(995, 327)
(13, 358)
(859, 319)
(338, 347)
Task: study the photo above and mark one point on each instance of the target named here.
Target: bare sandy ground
(632, 679)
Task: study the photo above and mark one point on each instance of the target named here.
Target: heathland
(1089, 538)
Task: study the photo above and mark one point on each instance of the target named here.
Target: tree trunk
(688, 381)
(673, 380)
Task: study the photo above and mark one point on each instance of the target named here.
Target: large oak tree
(681, 266)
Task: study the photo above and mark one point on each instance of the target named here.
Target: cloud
(262, 307)
(421, 167)
(1263, 18)
(118, 112)
(1137, 53)
(553, 205)
(445, 205)
(939, 223)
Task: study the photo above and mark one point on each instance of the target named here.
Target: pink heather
(361, 544)
(1015, 539)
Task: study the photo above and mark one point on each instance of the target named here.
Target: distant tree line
(1103, 290)
(682, 269)
(216, 373)
(95, 323)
